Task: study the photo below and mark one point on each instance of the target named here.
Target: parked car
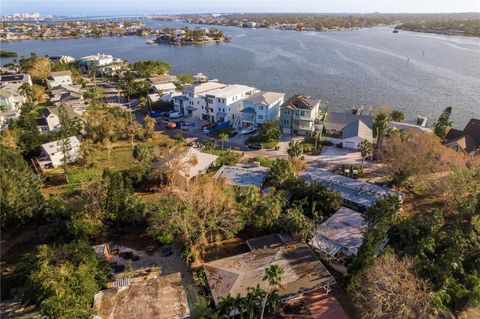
(255, 146)
(232, 134)
(248, 130)
(174, 115)
(206, 130)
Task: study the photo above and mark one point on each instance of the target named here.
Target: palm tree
(239, 305)
(26, 90)
(365, 149)
(380, 126)
(253, 301)
(274, 276)
(223, 137)
(295, 149)
(226, 306)
(274, 300)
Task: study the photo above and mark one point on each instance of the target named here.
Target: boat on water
(248, 130)
(395, 31)
(150, 41)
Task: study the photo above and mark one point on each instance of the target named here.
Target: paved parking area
(334, 155)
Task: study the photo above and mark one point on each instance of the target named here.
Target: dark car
(232, 134)
(255, 146)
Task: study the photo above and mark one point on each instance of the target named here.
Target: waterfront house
(164, 88)
(61, 59)
(341, 233)
(58, 79)
(224, 104)
(336, 122)
(242, 175)
(53, 152)
(160, 297)
(354, 133)
(466, 140)
(260, 107)
(298, 115)
(355, 194)
(304, 272)
(96, 59)
(65, 94)
(191, 102)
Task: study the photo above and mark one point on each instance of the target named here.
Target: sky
(132, 7)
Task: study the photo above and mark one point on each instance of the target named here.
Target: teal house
(260, 107)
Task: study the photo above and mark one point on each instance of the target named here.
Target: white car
(248, 130)
(174, 115)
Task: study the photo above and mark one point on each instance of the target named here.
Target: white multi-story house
(53, 152)
(225, 104)
(11, 102)
(97, 60)
(191, 102)
(59, 79)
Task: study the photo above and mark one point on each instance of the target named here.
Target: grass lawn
(121, 158)
(265, 162)
(226, 157)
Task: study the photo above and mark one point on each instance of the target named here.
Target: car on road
(255, 146)
(232, 134)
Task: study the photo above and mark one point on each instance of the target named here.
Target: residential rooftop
(230, 91)
(338, 121)
(195, 162)
(354, 192)
(357, 128)
(301, 102)
(264, 98)
(343, 231)
(61, 73)
(56, 146)
(203, 87)
(234, 275)
(163, 297)
(242, 175)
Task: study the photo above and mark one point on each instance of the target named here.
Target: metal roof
(242, 175)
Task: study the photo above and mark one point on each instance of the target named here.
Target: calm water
(414, 72)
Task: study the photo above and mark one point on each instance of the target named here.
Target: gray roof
(265, 98)
(242, 175)
(357, 128)
(344, 230)
(204, 87)
(234, 275)
(338, 121)
(353, 190)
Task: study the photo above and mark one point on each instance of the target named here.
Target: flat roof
(350, 189)
(266, 98)
(163, 297)
(242, 175)
(303, 271)
(203, 87)
(230, 91)
(343, 230)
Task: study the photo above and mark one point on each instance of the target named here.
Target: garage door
(286, 131)
(349, 144)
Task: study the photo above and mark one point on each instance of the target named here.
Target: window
(286, 122)
(260, 117)
(260, 107)
(210, 101)
(302, 113)
(286, 111)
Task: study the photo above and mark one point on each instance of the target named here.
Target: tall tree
(380, 128)
(149, 126)
(274, 276)
(378, 218)
(397, 116)
(295, 149)
(20, 195)
(223, 138)
(440, 128)
(366, 149)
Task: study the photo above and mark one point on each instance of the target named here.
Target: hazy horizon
(122, 7)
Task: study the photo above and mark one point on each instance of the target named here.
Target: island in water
(191, 36)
